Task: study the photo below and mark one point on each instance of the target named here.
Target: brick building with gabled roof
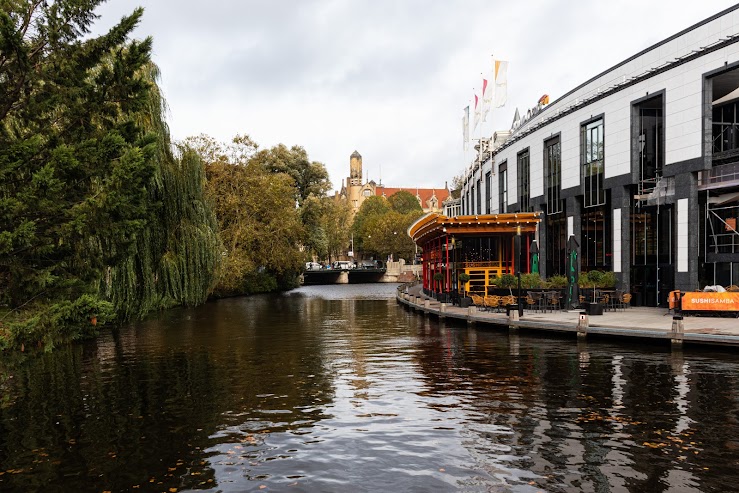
(355, 192)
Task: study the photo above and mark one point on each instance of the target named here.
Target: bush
(531, 281)
(506, 281)
(608, 280)
(597, 279)
(557, 282)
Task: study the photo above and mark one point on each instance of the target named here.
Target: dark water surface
(337, 388)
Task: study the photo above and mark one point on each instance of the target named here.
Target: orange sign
(716, 302)
(731, 224)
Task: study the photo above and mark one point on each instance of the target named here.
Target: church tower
(355, 169)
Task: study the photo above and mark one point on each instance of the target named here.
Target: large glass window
(479, 198)
(592, 154)
(726, 128)
(553, 175)
(503, 188)
(488, 188)
(596, 239)
(556, 251)
(524, 178)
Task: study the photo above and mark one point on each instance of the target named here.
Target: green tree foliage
(74, 163)
(381, 230)
(310, 178)
(405, 202)
(98, 219)
(259, 224)
(327, 223)
(371, 207)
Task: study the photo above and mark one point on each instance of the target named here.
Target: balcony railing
(724, 175)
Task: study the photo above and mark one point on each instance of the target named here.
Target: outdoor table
(611, 298)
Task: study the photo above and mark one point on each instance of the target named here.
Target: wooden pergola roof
(434, 225)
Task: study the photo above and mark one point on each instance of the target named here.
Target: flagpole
(482, 102)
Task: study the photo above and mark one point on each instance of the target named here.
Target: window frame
(553, 174)
(592, 161)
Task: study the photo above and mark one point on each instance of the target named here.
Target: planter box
(465, 301)
(594, 308)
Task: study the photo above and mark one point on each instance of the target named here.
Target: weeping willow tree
(175, 258)
(98, 219)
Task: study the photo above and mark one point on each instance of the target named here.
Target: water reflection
(338, 388)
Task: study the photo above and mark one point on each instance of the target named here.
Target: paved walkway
(639, 322)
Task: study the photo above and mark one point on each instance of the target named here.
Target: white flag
(501, 83)
(487, 99)
(477, 113)
(466, 128)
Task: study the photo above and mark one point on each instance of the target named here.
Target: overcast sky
(389, 78)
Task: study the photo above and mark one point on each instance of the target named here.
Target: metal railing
(723, 175)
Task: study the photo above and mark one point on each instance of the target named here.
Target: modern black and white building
(640, 164)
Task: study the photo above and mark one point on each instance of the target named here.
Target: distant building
(355, 192)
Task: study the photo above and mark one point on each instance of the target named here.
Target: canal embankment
(631, 323)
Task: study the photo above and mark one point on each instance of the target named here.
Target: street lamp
(517, 265)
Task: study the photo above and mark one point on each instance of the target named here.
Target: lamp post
(517, 253)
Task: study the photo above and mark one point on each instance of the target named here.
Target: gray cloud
(388, 78)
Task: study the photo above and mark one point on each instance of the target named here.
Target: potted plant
(438, 278)
(465, 300)
(464, 278)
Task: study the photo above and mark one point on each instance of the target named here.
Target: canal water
(338, 388)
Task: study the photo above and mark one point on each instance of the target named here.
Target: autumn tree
(380, 229)
(327, 223)
(310, 178)
(404, 202)
(259, 223)
(362, 226)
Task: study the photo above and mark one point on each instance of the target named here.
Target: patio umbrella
(573, 273)
(534, 257)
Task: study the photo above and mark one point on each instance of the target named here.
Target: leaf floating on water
(261, 486)
(441, 469)
(173, 490)
(654, 445)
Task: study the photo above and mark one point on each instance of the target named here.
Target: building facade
(640, 164)
(354, 191)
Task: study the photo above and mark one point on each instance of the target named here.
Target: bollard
(513, 317)
(471, 310)
(582, 324)
(442, 311)
(426, 305)
(678, 330)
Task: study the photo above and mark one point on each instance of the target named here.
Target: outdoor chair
(532, 303)
(492, 302)
(477, 301)
(538, 298)
(553, 301)
(604, 300)
(624, 300)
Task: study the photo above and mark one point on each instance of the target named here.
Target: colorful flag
(501, 83)
(466, 128)
(477, 113)
(487, 99)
